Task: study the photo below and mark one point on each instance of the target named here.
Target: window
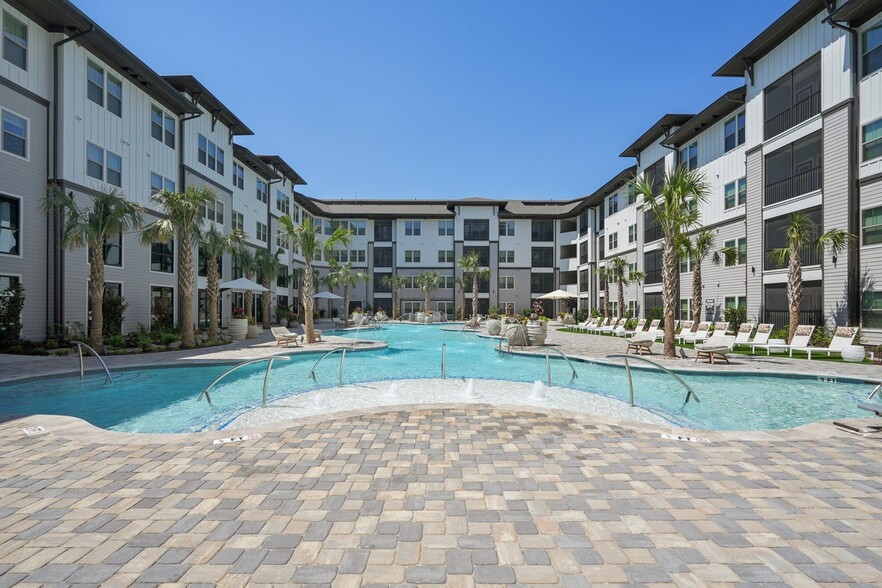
(740, 247)
(685, 309)
(543, 257)
(262, 191)
(164, 295)
(686, 263)
(506, 256)
(162, 257)
(793, 98)
(7, 282)
(735, 193)
(358, 227)
(733, 129)
(632, 269)
(652, 266)
(162, 126)
(632, 233)
(412, 228)
(736, 302)
(282, 280)
(613, 241)
(10, 224)
(776, 307)
(483, 254)
(159, 183)
(689, 156)
(542, 230)
(655, 174)
(261, 232)
(238, 221)
(382, 257)
(448, 283)
(327, 227)
(506, 283)
(506, 228)
(114, 95)
(379, 286)
(15, 41)
(445, 228)
(612, 205)
(871, 311)
(793, 170)
(445, 256)
(775, 238)
(283, 204)
(871, 226)
(358, 256)
(583, 252)
(114, 169)
(238, 176)
(541, 283)
(15, 134)
(237, 272)
(412, 256)
(113, 251)
(632, 194)
(871, 49)
(202, 268)
(872, 140)
(94, 161)
(383, 231)
(584, 280)
(214, 211)
(211, 155)
(95, 83)
(476, 230)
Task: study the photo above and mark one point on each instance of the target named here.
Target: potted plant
(381, 315)
(854, 353)
(357, 316)
(238, 324)
(427, 316)
(537, 330)
(282, 316)
(253, 329)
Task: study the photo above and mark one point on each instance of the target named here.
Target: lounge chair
(763, 332)
(744, 333)
(598, 325)
(626, 333)
(720, 328)
(587, 325)
(652, 330)
(473, 323)
(612, 327)
(841, 336)
(716, 347)
(640, 342)
(283, 337)
(700, 333)
(660, 330)
(800, 341)
(338, 322)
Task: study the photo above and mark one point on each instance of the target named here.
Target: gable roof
(718, 109)
(208, 101)
(254, 162)
(283, 169)
(662, 126)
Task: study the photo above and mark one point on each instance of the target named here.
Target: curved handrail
(875, 391)
(241, 365)
(508, 327)
(561, 353)
(332, 351)
(690, 393)
(80, 346)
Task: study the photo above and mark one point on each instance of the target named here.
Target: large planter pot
(357, 318)
(514, 335)
(427, 318)
(238, 329)
(494, 327)
(283, 322)
(253, 331)
(381, 317)
(853, 353)
(420, 317)
(537, 332)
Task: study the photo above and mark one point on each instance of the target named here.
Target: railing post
(80, 349)
(342, 360)
(269, 366)
(630, 382)
(443, 358)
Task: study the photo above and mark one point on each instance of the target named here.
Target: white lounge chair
(338, 322)
(720, 328)
(744, 333)
(652, 330)
(763, 332)
(841, 336)
(619, 326)
(610, 326)
(587, 325)
(716, 347)
(597, 326)
(626, 333)
(800, 341)
(283, 336)
(700, 333)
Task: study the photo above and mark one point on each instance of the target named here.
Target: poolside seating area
(716, 347)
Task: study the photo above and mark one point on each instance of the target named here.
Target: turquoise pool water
(163, 400)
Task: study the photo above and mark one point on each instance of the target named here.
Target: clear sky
(445, 99)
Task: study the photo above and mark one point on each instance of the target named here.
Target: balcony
(781, 318)
(789, 118)
(796, 185)
(809, 256)
(653, 277)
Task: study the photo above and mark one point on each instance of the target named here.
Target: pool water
(163, 400)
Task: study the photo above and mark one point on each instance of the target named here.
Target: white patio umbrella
(243, 284)
(327, 296)
(557, 295)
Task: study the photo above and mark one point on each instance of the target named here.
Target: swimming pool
(163, 400)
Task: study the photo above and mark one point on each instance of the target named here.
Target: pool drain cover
(31, 431)
(234, 439)
(685, 438)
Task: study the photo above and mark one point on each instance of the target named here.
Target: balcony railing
(652, 233)
(781, 318)
(799, 112)
(795, 185)
(808, 256)
(653, 277)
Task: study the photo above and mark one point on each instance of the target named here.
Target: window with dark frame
(10, 225)
(15, 41)
(162, 257)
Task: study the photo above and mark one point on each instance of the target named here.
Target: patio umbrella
(327, 296)
(243, 284)
(557, 295)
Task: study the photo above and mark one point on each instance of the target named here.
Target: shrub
(821, 337)
(656, 312)
(114, 308)
(581, 316)
(169, 338)
(117, 342)
(735, 317)
(39, 351)
(162, 313)
(63, 352)
(11, 303)
(780, 334)
(630, 324)
(51, 344)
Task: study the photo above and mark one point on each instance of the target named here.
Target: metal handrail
(342, 361)
(875, 391)
(508, 327)
(690, 393)
(443, 361)
(80, 346)
(548, 362)
(269, 366)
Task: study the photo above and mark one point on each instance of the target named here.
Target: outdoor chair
(763, 332)
(641, 342)
(283, 336)
(841, 336)
(800, 341)
(716, 347)
(700, 333)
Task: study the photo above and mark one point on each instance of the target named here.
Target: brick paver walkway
(461, 495)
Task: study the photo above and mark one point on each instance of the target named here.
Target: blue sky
(431, 99)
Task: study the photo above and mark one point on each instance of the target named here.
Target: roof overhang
(209, 102)
(60, 16)
(790, 22)
(856, 12)
(254, 162)
(720, 108)
(283, 169)
(659, 129)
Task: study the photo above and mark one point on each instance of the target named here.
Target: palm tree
(267, 266)
(215, 245)
(696, 250)
(109, 217)
(801, 234)
(182, 223)
(471, 266)
(462, 284)
(394, 283)
(604, 275)
(247, 263)
(427, 282)
(305, 238)
(617, 267)
(347, 276)
(675, 210)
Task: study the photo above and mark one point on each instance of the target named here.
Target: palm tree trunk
(621, 299)
(669, 294)
(96, 295)
(394, 304)
(696, 294)
(475, 295)
(606, 302)
(308, 302)
(266, 299)
(211, 297)
(794, 289)
(186, 280)
(346, 302)
(426, 299)
(249, 301)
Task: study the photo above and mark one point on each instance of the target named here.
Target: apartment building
(800, 130)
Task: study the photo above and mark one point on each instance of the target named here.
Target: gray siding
(835, 211)
(871, 256)
(754, 227)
